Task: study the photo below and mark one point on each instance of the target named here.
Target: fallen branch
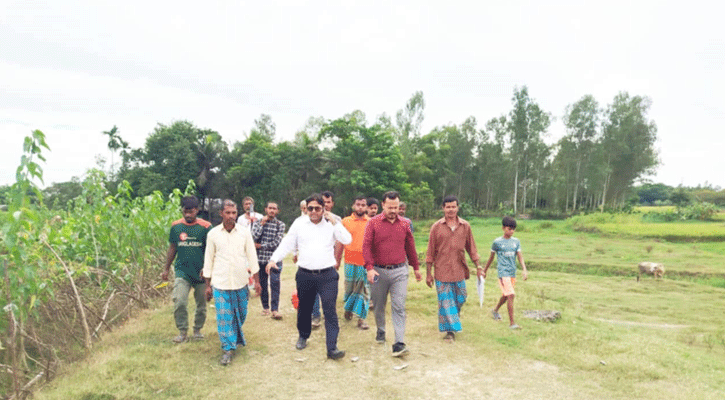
(28, 385)
(105, 313)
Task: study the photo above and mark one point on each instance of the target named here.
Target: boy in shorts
(507, 248)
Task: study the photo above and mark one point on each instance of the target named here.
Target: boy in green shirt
(507, 248)
(187, 243)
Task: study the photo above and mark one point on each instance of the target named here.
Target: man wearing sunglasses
(313, 237)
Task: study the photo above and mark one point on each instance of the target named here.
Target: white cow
(650, 268)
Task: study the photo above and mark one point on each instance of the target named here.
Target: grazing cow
(650, 268)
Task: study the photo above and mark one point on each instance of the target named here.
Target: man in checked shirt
(267, 233)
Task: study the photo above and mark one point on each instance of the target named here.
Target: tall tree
(365, 159)
(581, 120)
(527, 122)
(115, 143)
(408, 121)
(628, 141)
(173, 155)
(265, 127)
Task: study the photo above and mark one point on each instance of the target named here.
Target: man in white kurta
(230, 260)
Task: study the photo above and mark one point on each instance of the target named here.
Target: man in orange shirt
(357, 288)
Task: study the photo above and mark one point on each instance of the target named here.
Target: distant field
(603, 250)
(644, 209)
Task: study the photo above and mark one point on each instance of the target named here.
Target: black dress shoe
(301, 343)
(335, 354)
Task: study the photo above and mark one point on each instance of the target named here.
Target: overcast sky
(75, 68)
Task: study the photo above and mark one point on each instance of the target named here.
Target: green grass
(555, 246)
(616, 339)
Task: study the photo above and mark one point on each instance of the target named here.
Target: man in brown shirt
(450, 238)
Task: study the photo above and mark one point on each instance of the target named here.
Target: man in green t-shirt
(187, 243)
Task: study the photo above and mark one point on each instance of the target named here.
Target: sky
(74, 69)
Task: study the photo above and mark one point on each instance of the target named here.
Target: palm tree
(115, 143)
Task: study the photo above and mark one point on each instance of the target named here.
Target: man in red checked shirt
(388, 241)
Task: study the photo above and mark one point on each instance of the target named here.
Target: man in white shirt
(229, 249)
(249, 216)
(313, 237)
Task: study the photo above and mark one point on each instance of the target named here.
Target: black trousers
(309, 284)
(274, 283)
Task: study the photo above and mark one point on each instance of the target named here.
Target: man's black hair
(449, 199)
(509, 221)
(329, 194)
(360, 198)
(392, 195)
(373, 200)
(315, 197)
(189, 202)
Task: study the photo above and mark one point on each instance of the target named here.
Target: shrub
(700, 211)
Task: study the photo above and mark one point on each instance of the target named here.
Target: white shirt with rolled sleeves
(230, 257)
(315, 243)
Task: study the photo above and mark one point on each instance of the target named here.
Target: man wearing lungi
(229, 261)
(357, 288)
(450, 238)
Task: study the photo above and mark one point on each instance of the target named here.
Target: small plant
(546, 225)
(648, 248)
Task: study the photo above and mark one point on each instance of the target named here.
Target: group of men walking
(247, 251)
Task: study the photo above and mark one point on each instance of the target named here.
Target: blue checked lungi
(231, 311)
(357, 290)
(451, 296)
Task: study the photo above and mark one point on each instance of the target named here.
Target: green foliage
(697, 211)
(365, 160)
(628, 142)
(652, 193)
(680, 197)
(105, 243)
(172, 155)
(57, 195)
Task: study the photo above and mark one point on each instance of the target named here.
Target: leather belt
(392, 266)
(316, 271)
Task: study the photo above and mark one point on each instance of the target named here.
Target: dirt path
(139, 361)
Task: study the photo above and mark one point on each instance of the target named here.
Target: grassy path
(583, 356)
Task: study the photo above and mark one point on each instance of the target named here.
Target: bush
(700, 211)
(548, 214)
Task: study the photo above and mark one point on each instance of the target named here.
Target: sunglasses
(314, 208)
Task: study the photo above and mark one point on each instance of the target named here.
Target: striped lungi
(357, 290)
(451, 296)
(231, 311)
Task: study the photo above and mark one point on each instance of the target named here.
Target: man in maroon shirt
(388, 241)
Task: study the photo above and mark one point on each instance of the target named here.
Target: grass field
(617, 339)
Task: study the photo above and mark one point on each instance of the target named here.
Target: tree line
(502, 165)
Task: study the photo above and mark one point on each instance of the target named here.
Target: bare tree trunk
(516, 189)
(604, 193)
(576, 184)
(79, 304)
(11, 335)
